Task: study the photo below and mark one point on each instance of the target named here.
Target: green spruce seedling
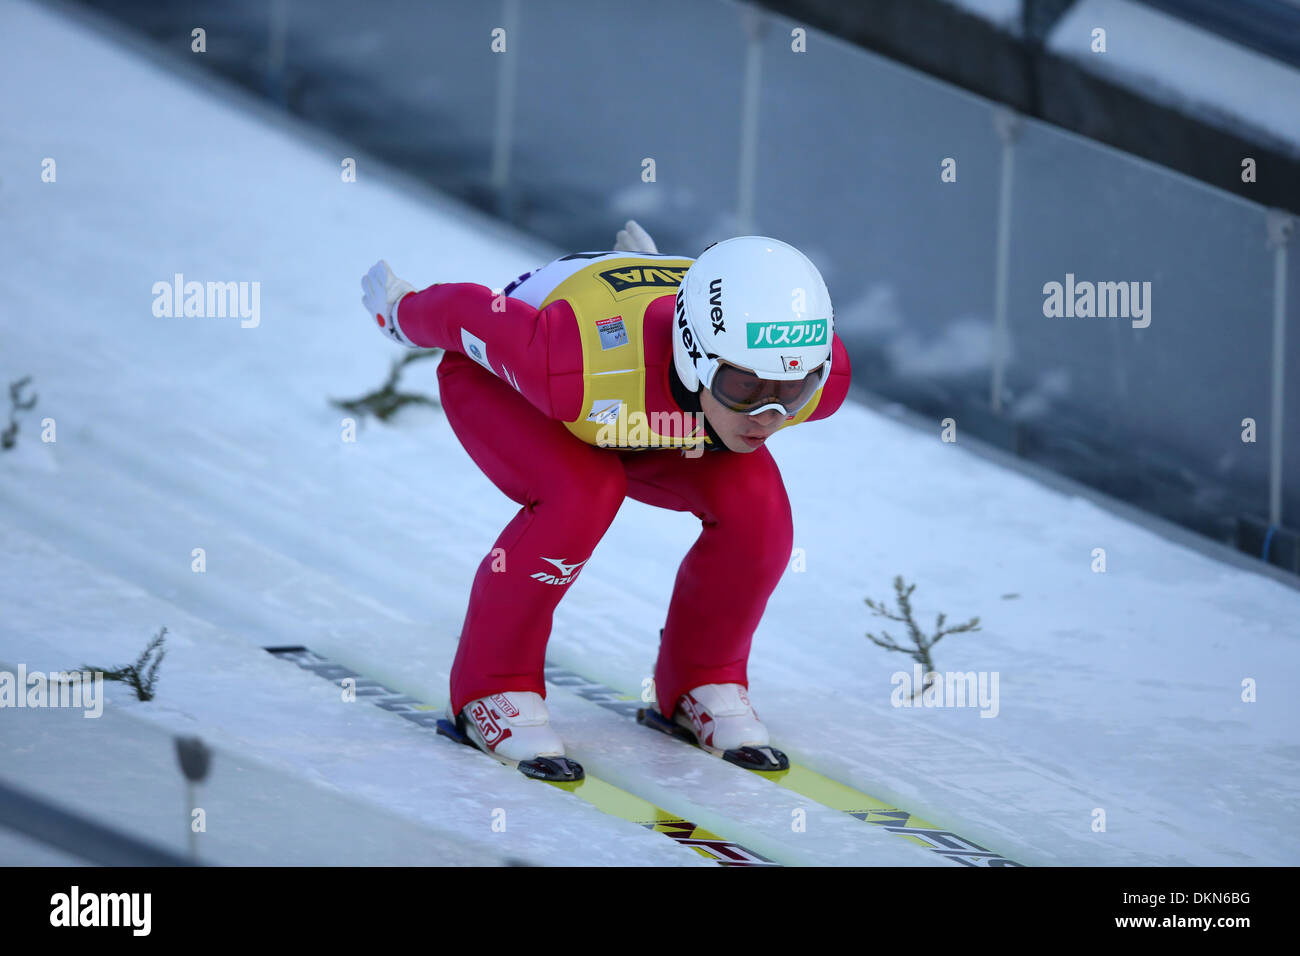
(143, 674)
(921, 644)
(386, 400)
(9, 437)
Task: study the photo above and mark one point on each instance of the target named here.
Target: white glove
(633, 238)
(383, 291)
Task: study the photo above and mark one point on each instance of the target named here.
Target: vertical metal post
(277, 41)
(189, 816)
(755, 24)
(1007, 123)
(195, 759)
(503, 136)
(1280, 226)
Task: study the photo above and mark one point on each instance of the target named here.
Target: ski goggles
(743, 390)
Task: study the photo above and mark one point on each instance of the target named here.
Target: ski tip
(449, 730)
(555, 769)
(649, 717)
(758, 758)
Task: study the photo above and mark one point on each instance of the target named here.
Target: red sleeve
(836, 388)
(538, 353)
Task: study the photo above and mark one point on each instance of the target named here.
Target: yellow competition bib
(609, 299)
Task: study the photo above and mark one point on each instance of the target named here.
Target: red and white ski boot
(719, 719)
(514, 727)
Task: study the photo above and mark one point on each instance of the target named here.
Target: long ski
(811, 784)
(600, 794)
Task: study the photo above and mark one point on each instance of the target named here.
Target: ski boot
(719, 719)
(514, 727)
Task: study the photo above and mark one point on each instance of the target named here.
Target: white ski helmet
(758, 305)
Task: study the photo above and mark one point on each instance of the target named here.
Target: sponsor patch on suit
(613, 332)
(605, 410)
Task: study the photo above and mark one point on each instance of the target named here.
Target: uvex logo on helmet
(755, 275)
(688, 340)
(715, 300)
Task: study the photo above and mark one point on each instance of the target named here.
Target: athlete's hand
(632, 238)
(382, 291)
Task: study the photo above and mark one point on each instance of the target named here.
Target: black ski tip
(757, 758)
(541, 768)
(560, 769)
(649, 717)
(751, 758)
(447, 729)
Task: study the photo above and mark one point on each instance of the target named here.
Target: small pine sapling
(143, 674)
(921, 644)
(9, 437)
(386, 400)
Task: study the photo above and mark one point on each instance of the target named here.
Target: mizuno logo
(567, 572)
(514, 382)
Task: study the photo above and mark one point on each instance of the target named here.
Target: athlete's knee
(587, 483)
(752, 494)
(458, 385)
(451, 362)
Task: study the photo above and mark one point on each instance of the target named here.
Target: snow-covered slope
(1118, 691)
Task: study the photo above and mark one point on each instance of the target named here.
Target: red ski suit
(512, 376)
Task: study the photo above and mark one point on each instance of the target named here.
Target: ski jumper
(562, 390)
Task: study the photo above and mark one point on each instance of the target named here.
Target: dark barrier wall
(1013, 67)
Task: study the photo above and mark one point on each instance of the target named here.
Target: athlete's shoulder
(836, 389)
(616, 274)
